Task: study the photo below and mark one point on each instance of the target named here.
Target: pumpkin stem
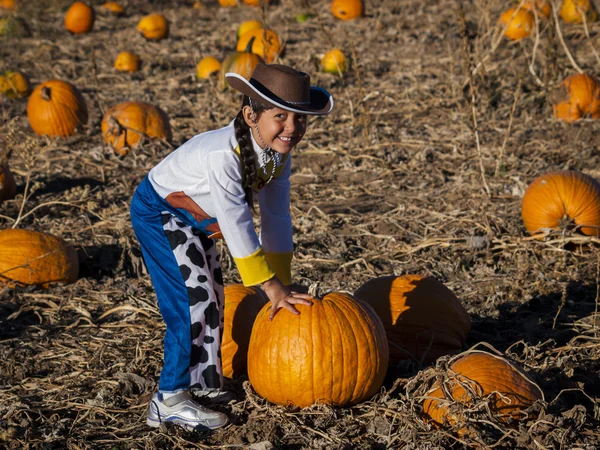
(45, 94)
(249, 46)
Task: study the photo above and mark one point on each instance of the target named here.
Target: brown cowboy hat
(283, 87)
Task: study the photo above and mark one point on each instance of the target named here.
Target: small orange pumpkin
(34, 258)
(124, 125)
(541, 7)
(572, 11)
(564, 194)
(334, 61)
(256, 2)
(154, 27)
(14, 84)
(242, 305)
(580, 95)
(423, 319)
(227, 3)
(334, 352)
(246, 26)
(347, 9)
(508, 390)
(266, 43)
(518, 23)
(8, 187)
(207, 67)
(242, 63)
(113, 8)
(8, 4)
(56, 108)
(127, 62)
(79, 18)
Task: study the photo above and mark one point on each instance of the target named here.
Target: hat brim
(321, 101)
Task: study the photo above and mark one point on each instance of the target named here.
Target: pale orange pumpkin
(227, 3)
(347, 9)
(242, 305)
(334, 352)
(113, 8)
(256, 2)
(507, 390)
(541, 7)
(572, 11)
(207, 66)
(127, 62)
(34, 258)
(265, 44)
(8, 187)
(334, 61)
(154, 27)
(79, 18)
(124, 125)
(580, 97)
(56, 108)
(556, 196)
(423, 319)
(242, 63)
(14, 84)
(246, 26)
(518, 23)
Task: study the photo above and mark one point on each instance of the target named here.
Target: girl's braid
(243, 137)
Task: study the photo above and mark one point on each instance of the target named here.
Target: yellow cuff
(282, 265)
(254, 269)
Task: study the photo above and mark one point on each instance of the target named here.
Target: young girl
(202, 191)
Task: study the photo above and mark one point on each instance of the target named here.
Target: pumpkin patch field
(446, 220)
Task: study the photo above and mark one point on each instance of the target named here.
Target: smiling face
(277, 128)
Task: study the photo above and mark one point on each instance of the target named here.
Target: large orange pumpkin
(79, 18)
(242, 305)
(154, 27)
(572, 11)
(334, 352)
(34, 258)
(554, 196)
(347, 9)
(56, 108)
(124, 125)
(580, 97)
(262, 42)
(508, 390)
(8, 187)
(518, 23)
(423, 319)
(14, 84)
(242, 63)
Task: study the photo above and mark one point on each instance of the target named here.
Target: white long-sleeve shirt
(204, 177)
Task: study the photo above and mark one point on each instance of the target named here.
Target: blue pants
(185, 269)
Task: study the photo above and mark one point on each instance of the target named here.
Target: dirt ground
(396, 180)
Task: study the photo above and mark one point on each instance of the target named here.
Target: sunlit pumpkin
(334, 61)
(248, 25)
(8, 187)
(564, 195)
(256, 2)
(127, 62)
(124, 125)
(34, 258)
(8, 4)
(347, 9)
(423, 319)
(79, 18)
(334, 352)
(154, 27)
(579, 97)
(518, 23)
(573, 11)
(113, 8)
(507, 390)
(207, 66)
(242, 305)
(242, 63)
(14, 84)
(227, 3)
(541, 7)
(266, 43)
(56, 108)
(14, 26)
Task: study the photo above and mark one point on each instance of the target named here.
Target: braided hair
(243, 136)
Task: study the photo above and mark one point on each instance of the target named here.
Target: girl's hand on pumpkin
(283, 296)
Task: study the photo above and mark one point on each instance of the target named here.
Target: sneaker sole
(156, 423)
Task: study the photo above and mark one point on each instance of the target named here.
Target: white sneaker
(183, 410)
(214, 396)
